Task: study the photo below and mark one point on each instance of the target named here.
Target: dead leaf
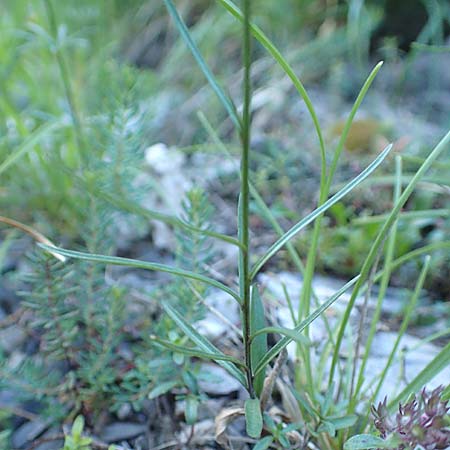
(223, 419)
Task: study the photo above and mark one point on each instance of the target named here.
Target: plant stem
(64, 72)
(244, 277)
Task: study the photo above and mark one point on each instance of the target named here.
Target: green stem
(64, 72)
(244, 195)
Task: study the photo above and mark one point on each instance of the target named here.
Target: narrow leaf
(195, 352)
(440, 148)
(317, 212)
(29, 144)
(343, 422)
(259, 343)
(440, 362)
(204, 344)
(282, 343)
(162, 388)
(253, 418)
(118, 261)
(292, 333)
(264, 443)
(130, 206)
(184, 32)
(365, 442)
(278, 57)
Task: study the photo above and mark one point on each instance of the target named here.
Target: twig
(269, 382)
(43, 440)
(173, 443)
(216, 312)
(20, 412)
(12, 318)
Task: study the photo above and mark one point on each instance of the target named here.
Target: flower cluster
(419, 424)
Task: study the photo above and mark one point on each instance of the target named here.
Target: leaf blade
(202, 342)
(318, 211)
(258, 345)
(184, 32)
(281, 344)
(253, 417)
(119, 261)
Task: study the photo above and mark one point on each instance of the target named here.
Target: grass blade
(317, 212)
(439, 363)
(203, 343)
(387, 270)
(29, 144)
(281, 344)
(195, 352)
(405, 322)
(440, 147)
(278, 57)
(288, 332)
(224, 99)
(118, 261)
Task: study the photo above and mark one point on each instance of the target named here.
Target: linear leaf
(29, 144)
(348, 123)
(278, 57)
(407, 215)
(437, 150)
(184, 32)
(131, 207)
(282, 343)
(203, 343)
(407, 313)
(195, 352)
(317, 212)
(440, 362)
(118, 261)
(259, 343)
(288, 332)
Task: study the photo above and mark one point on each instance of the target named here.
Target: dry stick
(214, 311)
(20, 412)
(12, 319)
(43, 440)
(165, 445)
(33, 233)
(269, 382)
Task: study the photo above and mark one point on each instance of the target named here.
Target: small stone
(119, 431)
(11, 338)
(124, 411)
(56, 444)
(28, 432)
(212, 326)
(215, 380)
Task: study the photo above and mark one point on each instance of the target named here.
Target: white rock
(215, 380)
(213, 326)
(163, 159)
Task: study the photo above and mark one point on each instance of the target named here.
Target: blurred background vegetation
(88, 85)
